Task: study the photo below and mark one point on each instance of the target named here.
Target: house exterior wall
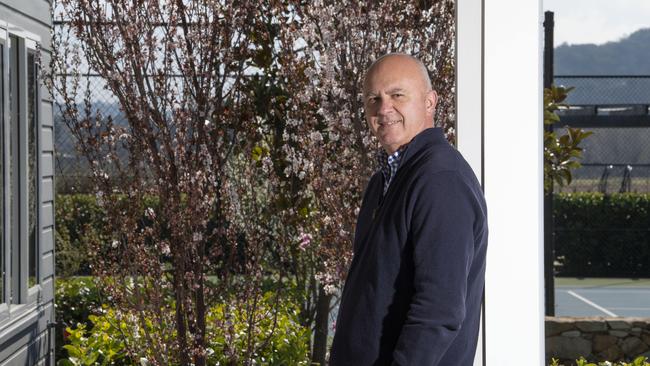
(26, 337)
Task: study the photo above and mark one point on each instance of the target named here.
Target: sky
(597, 21)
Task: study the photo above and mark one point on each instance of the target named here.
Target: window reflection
(32, 125)
(12, 186)
(2, 166)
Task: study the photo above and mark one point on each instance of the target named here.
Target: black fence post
(549, 282)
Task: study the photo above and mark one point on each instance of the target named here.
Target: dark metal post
(549, 282)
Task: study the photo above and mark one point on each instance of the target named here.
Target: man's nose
(385, 107)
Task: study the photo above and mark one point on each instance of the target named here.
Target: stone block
(602, 342)
(619, 324)
(556, 326)
(645, 338)
(633, 346)
(613, 353)
(567, 347)
(619, 333)
(591, 326)
(571, 333)
(641, 324)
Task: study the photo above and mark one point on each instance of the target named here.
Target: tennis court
(610, 297)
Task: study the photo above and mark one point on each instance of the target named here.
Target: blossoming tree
(178, 71)
(325, 147)
(243, 154)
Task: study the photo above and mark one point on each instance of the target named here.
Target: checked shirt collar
(389, 164)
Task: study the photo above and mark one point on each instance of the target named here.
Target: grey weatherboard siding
(25, 335)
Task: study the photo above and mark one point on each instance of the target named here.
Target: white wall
(508, 156)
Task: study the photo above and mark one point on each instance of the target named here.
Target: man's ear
(431, 101)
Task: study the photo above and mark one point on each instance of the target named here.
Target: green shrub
(278, 337)
(639, 361)
(283, 341)
(76, 298)
(599, 235)
(103, 345)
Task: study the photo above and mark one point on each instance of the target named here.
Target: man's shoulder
(438, 158)
(441, 163)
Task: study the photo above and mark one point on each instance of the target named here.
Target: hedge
(598, 235)
(78, 221)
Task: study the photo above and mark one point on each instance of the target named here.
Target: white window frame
(4, 241)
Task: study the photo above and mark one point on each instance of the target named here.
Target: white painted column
(505, 151)
(469, 110)
(514, 300)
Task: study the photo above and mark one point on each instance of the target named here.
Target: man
(413, 290)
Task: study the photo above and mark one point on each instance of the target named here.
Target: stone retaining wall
(597, 338)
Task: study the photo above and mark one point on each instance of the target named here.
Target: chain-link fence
(616, 158)
(606, 236)
(600, 90)
(72, 170)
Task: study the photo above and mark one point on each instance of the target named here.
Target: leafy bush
(602, 235)
(103, 345)
(639, 361)
(277, 338)
(76, 298)
(561, 153)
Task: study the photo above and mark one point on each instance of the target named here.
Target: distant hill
(628, 56)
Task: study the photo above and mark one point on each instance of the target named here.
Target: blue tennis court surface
(610, 297)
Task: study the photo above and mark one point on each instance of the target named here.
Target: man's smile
(388, 123)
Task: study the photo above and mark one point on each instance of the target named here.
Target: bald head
(401, 60)
(398, 100)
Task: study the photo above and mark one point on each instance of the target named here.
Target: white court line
(588, 302)
(617, 290)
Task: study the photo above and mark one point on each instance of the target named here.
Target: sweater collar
(426, 138)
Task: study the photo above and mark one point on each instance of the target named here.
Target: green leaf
(73, 350)
(257, 153)
(92, 358)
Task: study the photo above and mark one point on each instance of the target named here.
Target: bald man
(414, 288)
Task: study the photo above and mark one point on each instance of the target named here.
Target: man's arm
(442, 237)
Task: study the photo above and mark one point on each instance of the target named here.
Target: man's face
(397, 101)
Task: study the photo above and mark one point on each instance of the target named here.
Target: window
(19, 156)
(2, 165)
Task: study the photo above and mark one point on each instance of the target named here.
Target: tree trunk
(201, 311)
(321, 325)
(181, 330)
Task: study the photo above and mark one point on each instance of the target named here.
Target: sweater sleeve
(442, 237)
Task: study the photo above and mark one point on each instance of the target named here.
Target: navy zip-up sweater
(413, 291)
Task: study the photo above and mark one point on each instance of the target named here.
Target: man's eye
(373, 100)
(398, 95)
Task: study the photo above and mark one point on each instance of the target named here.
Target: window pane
(32, 118)
(2, 222)
(14, 111)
